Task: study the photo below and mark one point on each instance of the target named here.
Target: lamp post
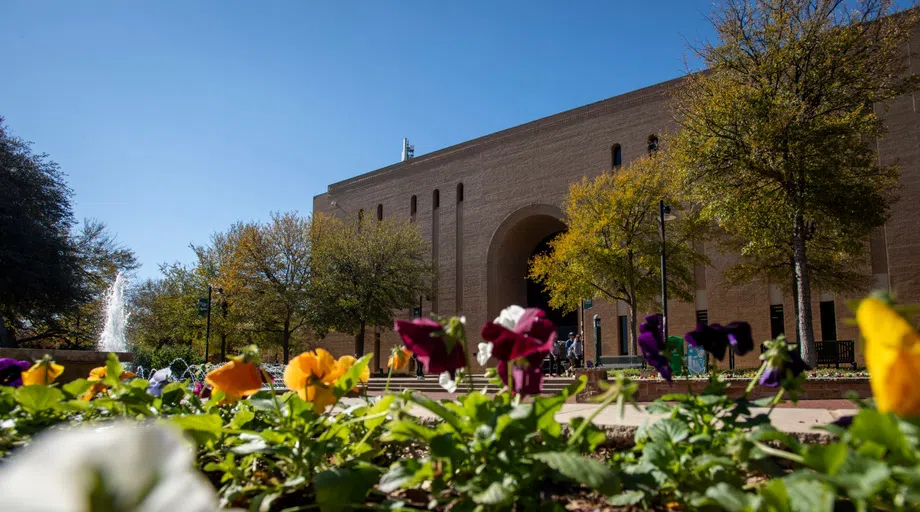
(207, 333)
(664, 215)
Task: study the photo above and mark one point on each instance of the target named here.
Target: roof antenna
(408, 150)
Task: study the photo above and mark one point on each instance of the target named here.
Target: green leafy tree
(39, 266)
(164, 311)
(271, 266)
(364, 271)
(775, 138)
(216, 267)
(612, 246)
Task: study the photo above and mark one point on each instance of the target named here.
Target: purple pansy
(773, 374)
(11, 371)
(157, 381)
(430, 344)
(740, 337)
(522, 338)
(651, 343)
(715, 338)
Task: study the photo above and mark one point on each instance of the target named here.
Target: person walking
(556, 356)
(419, 371)
(575, 353)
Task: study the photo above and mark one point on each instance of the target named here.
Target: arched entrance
(519, 237)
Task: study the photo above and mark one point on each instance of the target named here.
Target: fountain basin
(76, 363)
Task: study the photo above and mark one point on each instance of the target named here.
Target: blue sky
(175, 119)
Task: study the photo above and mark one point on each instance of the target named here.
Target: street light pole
(663, 211)
(207, 332)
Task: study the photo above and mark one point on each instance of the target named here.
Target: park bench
(620, 362)
(834, 352)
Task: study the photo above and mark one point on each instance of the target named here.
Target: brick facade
(514, 182)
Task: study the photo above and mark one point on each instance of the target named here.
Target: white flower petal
(55, 473)
(485, 352)
(509, 316)
(447, 383)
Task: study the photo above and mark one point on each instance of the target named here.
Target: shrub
(176, 357)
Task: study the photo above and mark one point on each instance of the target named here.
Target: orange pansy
(235, 379)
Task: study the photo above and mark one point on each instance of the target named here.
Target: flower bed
(134, 444)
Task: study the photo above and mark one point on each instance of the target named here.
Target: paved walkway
(788, 418)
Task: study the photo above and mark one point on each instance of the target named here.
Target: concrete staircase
(551, 385)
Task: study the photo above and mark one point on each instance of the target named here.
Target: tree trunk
(359, 341)
(223, 347)
(6, 340)
(377, 348)
(795, 302)
(286, 339)
(804, 327)
(634, 326)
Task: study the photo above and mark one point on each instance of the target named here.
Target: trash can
(675, 345)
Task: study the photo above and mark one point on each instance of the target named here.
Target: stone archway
(512, 245)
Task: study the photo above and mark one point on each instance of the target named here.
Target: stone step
(430, 384)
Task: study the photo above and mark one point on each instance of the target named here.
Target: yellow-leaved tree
(611, 249)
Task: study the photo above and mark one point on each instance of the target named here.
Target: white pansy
(485, 352)
(140, 467)
(447, 382)
(509, 317)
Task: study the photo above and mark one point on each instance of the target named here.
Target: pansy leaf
(669, 430)
(401, 474)
(861, 477)
(589, 472)
(495, 494)
(826, 458)
(76, 388)
(113, 370)
(380, 407)
(243, 416)
(38, 398)
(405, 430)
(659, 408)
(575, 387)
(806, 495)
(173, 393)
(348, 381)
(202, 427)
(775, 496)
(626, 498)
(338, 488)
(732, 499)
(871, 425)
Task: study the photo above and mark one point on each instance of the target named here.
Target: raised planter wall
(812, 389)
(76, 363)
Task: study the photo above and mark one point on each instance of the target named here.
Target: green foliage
(777, 139)
(39, 265)
(612, 246)
(364, 271)
(270, 274)
(495, 453)
(52, 277)
(163, 356)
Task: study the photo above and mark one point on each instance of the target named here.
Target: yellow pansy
(346, 362)
(43, 372)
(236, 379)
(892, 357)
(400, 359)
(96, 376)
(312, 375)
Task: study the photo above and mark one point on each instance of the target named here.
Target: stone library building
(489, 204)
